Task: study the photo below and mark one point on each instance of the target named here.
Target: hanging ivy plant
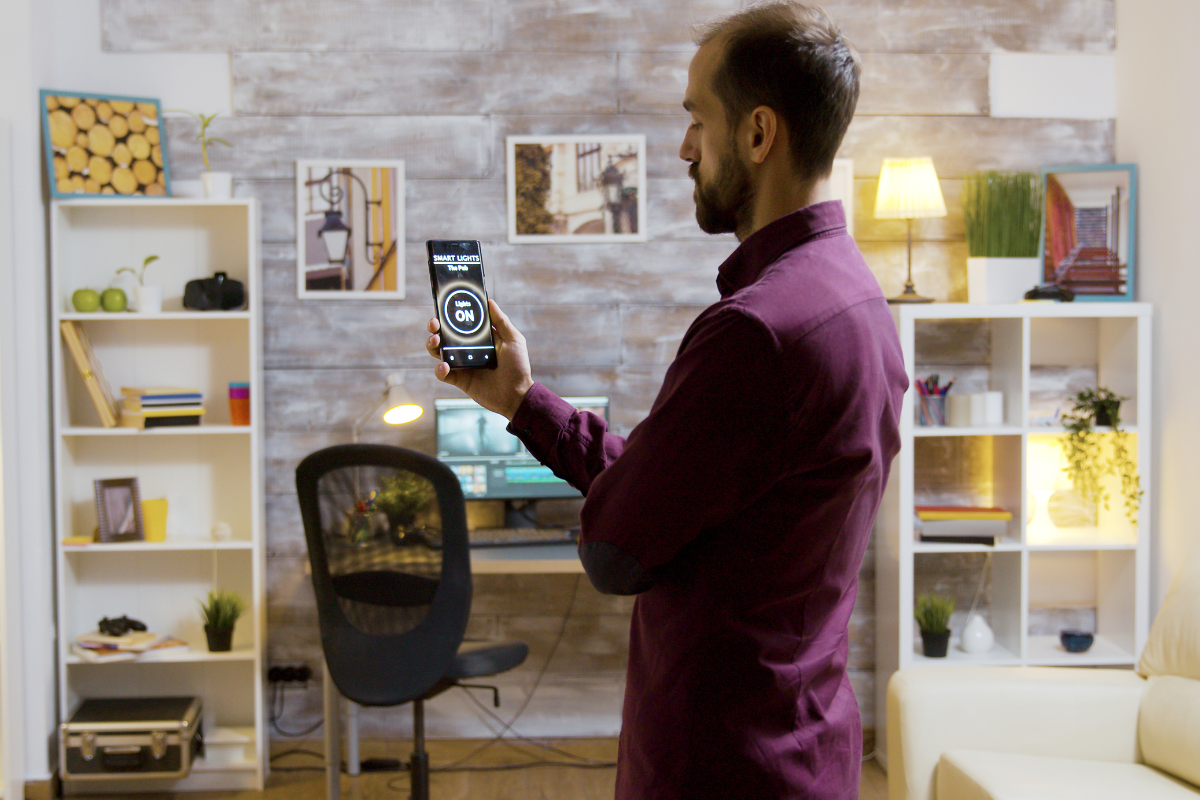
(1084, 451)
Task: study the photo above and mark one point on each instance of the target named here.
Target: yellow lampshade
(909, 189)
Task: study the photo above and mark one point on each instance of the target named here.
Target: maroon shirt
(740, 508)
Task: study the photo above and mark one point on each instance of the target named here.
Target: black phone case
(471, 346)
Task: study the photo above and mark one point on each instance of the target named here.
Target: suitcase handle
(126, 757)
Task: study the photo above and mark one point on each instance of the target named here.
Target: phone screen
(456, 274)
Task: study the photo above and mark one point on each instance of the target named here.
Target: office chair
(387, 540)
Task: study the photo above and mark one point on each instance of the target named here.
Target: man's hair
(792, 59)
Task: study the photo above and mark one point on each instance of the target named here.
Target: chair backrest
(387, 540)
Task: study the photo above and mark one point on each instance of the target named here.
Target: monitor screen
(490, 462)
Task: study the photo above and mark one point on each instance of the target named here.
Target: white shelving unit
(1038, 355)
(210, 473)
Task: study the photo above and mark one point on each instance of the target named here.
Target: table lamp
(398, 405)
(909, 189)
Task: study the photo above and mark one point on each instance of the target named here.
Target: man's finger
(431, 345)
(500, 321)
(433, 325)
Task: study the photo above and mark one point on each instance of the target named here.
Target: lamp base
(909, 295)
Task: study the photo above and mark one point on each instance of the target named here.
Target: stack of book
(160, 406)
(962, 524)
(99, 648)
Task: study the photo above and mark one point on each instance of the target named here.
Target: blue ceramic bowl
(1076, 641)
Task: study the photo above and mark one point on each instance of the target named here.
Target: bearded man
(739, 510)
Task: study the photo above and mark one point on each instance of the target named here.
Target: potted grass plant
(1002, 214)
(220, 613)
(933, 617)
(148, 299)
(217, 185)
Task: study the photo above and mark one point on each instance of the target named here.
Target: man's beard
(725, 204)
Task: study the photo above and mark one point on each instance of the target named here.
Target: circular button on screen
(463, 312)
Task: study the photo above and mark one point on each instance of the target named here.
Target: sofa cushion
(1169, 726)
(1173, 647)
(988, 775)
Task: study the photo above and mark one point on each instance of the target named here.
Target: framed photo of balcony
(1089, 230)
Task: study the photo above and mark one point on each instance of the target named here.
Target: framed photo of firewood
(104, 146)
(119, 510)
(1089, 230)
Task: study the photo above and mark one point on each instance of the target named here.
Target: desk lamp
(398, 405)
(909, 189)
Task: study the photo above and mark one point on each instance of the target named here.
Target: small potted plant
(933, 617)
(220, 612)
(400, 498)
(1002, 213)
(147, 299)
(217, 185)
(1084, 451)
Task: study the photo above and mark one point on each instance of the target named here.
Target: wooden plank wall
(440, 85)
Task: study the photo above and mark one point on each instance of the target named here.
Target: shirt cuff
(540, 420)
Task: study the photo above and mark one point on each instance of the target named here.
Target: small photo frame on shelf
(1089, 230)
(104, 145)
(119, 510)
(350, 230)
(576, 189)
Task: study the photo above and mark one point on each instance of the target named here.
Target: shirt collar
(771, 241)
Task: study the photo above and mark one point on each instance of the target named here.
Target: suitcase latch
(158, 744)
(87, 745)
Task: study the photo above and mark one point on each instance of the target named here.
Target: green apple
(86, 300)
(113, 299)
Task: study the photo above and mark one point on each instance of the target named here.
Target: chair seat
(987, 775)
(480, 658)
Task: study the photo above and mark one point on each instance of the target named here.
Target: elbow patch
(612, 570)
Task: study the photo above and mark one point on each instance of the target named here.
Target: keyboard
(506, 537)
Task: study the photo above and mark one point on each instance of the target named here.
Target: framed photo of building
(1089, 230)
(350, 230)
(104, 145)
(576, 188)
(119, 510)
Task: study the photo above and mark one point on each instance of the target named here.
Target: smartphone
(456, 275)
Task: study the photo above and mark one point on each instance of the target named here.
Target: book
(102, 656)
(159, 392)
(89, 367)
(961, 513)
(141, 404)
(143, 420)
(962, 531)
(134, 641)
(166, 411)
(168, 647)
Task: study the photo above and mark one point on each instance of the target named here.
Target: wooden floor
(531, 783)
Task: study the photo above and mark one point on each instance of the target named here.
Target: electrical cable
(277, 706)
(298, 767)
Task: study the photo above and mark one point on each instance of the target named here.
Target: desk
(513, 560)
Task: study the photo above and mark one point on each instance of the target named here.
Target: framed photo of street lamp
(576, 188)
(1089, 230)
(350, 230)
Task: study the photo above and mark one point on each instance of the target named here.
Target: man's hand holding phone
(501, 389)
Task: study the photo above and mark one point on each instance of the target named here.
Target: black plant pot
(1102, 417)
(220, 640)
(936, 644)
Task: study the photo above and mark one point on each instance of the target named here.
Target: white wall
(1158, 128)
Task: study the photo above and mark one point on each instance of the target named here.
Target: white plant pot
(217, 185)
(977, 636)
(1002, 280)
(149, 299)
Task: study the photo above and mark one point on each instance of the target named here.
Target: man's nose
(687, 149)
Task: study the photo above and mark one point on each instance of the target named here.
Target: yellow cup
(154, 519)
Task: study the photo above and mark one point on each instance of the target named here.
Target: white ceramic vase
(1002, 280)
(977, 636)
(217, 185)
(149, 299)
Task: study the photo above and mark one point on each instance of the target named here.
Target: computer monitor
(490, 462)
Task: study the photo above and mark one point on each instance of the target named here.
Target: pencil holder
(931, 410)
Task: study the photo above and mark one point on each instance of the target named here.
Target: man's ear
(761, 132)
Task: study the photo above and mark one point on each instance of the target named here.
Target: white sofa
(1012, 733)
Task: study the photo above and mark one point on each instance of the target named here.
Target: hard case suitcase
(131, 737)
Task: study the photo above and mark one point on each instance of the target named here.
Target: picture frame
(350, 229)
(100, 145)
(576, 189)
(1089, 230)
(119, 510)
